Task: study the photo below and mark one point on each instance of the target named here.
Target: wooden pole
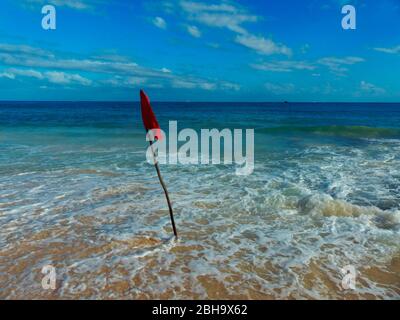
(171, 213)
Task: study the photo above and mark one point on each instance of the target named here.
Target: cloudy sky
(184, 50)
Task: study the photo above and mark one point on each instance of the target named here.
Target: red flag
(149, 119)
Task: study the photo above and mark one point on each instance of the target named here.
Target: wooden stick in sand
(150, 123)
(171, 212)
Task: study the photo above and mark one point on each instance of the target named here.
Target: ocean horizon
(77, 192)
(211, 101)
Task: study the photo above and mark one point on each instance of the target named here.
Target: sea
(319, 218)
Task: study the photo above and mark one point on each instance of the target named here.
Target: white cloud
(370, 88)
(230, 86)
(124, 73)
(214, 45)
(135, 81)
(227, 15)
(51, 76)
(279, 89)
(24, 49)
(182, 84)
(26, 73)
(284, 66)
(131, 82)
(7, 75)
(221, 15)
(207, 86)
(111, 57)
(160, 23)
(305, 48)
(199, 7)
(193, 84)
(66, 78)
(394, 50)
(120, 66)
(262, 46)
(337, 65)
(204, 85)
(89, 65)
(72, 4)
(193, 31)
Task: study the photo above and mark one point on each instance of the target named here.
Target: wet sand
(111, 276)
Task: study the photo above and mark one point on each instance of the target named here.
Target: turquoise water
(76, 192)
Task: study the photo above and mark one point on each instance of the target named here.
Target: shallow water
(76, 192)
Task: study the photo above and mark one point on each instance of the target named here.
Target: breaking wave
(335, 130)
(326, 206)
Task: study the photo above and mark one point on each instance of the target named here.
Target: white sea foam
(315, 211)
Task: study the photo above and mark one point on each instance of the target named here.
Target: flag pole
(171, 213)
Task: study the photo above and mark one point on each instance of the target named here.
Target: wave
(327, 206)
(336, 130)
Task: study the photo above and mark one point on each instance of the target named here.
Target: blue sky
(184, 50)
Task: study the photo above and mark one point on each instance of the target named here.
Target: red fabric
(149, 119)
